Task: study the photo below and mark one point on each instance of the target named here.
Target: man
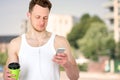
(35, 50)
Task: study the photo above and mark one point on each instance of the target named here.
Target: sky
(13, 12)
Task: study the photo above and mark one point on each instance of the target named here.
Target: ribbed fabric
(36, 62)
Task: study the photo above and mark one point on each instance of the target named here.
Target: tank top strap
(52, 39)
(23, 39)
(23, 36)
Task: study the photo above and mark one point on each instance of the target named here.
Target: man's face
(39, 18)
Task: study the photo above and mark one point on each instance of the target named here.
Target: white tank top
(36, 62)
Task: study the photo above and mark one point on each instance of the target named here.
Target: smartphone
(60, 50)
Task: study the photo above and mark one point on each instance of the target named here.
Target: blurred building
(61, 24)
(4, 40)
(113, 16)
(58, 24)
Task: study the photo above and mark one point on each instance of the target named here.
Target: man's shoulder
(14, 44)
(61, 41)
(59, 37)
(16, 40)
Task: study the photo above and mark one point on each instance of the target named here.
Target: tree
(79, 30)
(97, 41)
(117, 49)
(3, 58)
(92, 37)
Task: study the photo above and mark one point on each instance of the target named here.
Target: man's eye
(37, 17)
(45, 18)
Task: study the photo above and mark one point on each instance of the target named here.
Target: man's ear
(28, 14)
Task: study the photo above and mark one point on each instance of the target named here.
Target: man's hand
(7, 75)
(61, 59)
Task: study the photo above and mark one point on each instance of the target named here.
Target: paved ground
(89, 76)
(1, 76)
(94, 76)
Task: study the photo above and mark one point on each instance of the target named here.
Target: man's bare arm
(66, 60)
(12, 57)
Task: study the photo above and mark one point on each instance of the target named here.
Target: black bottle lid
(14, 65)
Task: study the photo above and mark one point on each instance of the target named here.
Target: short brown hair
(43, 3)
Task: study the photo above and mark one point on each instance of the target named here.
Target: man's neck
(35, 34)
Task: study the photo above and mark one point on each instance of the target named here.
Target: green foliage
(83, 67)
(61, 69)
(79, 30)
(117, 49)
(92, 38)
(97, 41)
(3, 58)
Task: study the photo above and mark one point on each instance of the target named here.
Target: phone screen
(60, 50)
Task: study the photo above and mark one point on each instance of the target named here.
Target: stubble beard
(38, 30)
